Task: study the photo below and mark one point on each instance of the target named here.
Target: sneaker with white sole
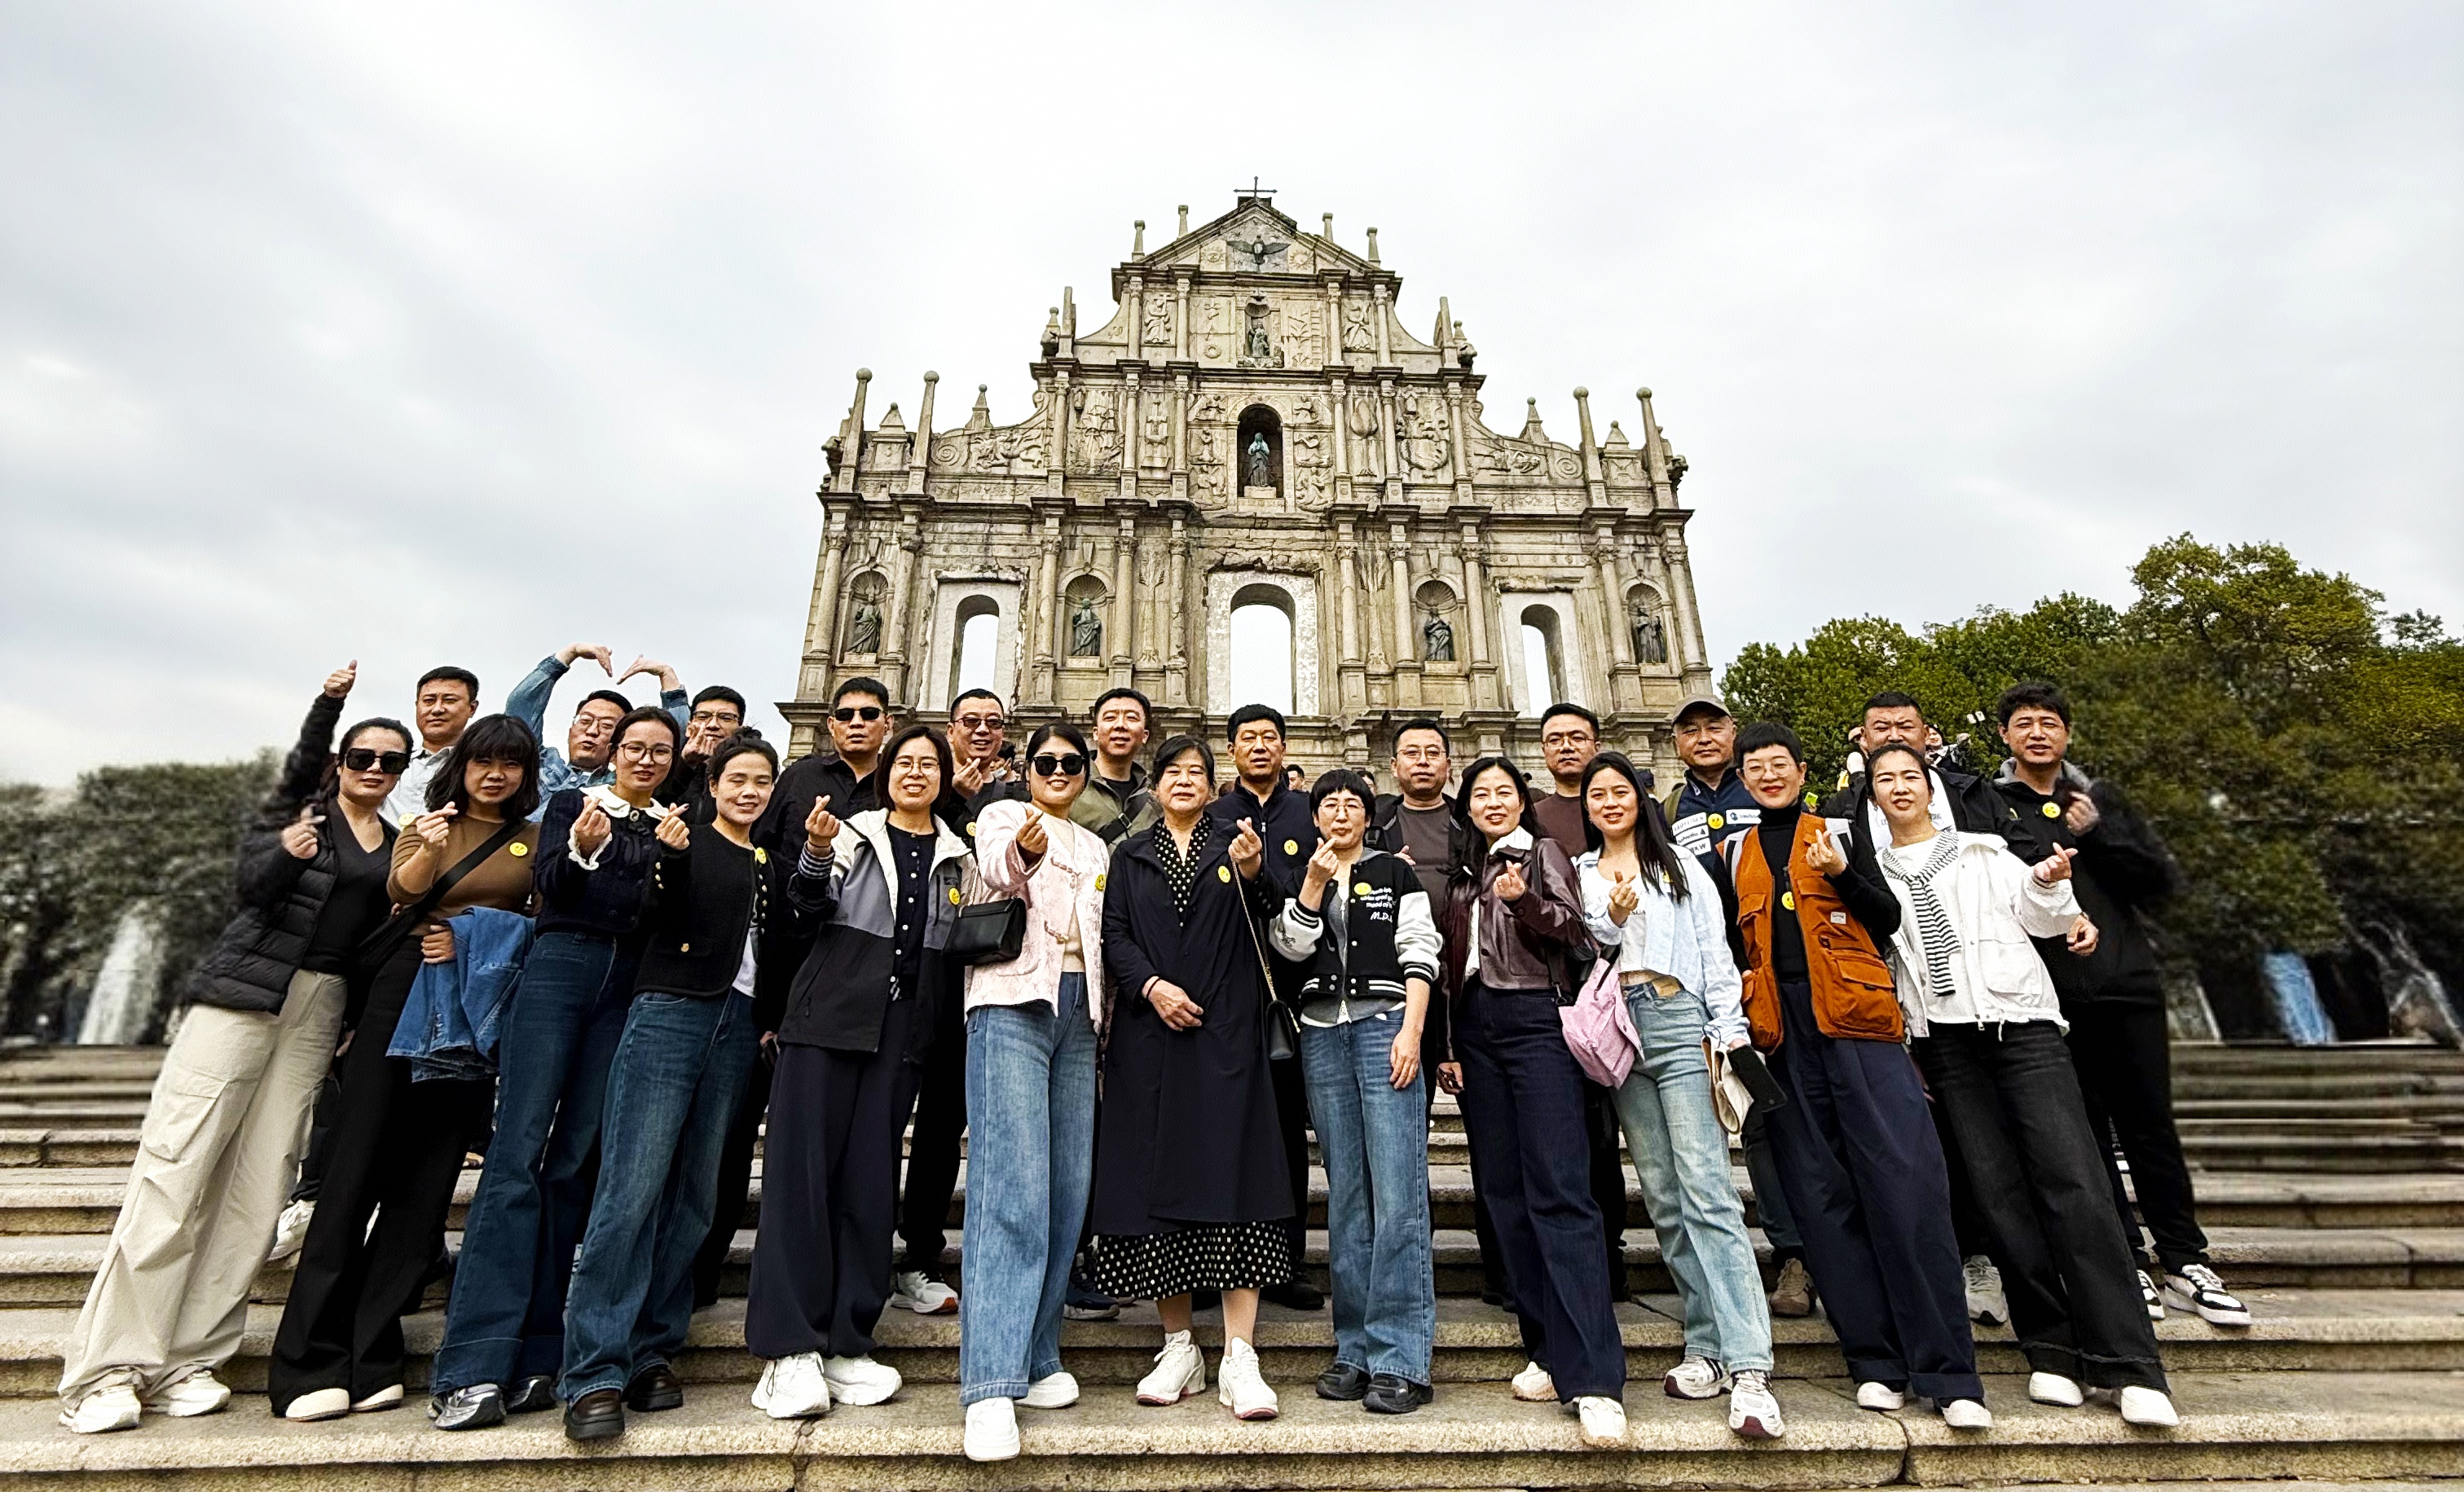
(291, 1230)
(1986, 1303)
(1179, 1372)
(317, 1404)
(1239, 1387)
(859, 1381)
(1603, 1421)
(2052, 1388)
(1697, 1377)
(1880, 1396)
(992, 1430)
(2149, 1407)
(105, 1409)
(2150, 1296)
(1533, 1385)
(388, 1397)
(479, 1406)
(1753, 1410)
(2198, 1288)
(197, 1394)
(1966, 1415)
(793, 1387)
(912, 1289)
(1052, 1390)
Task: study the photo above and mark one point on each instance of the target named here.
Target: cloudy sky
(458, 332)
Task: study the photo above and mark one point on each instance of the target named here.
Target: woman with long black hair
(1514, 920)
(397, 1144)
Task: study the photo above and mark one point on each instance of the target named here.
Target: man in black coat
(2113, 997)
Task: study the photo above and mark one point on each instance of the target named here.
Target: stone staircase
(2332, 1183)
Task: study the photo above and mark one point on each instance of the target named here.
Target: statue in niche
(1086, 629)
(864, 628)
(1159, 327)
(1259, 470)
(1650, 637)
(1436, 640)
(1257, 345)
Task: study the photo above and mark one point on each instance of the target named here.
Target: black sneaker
(1343, 1383)
(1390, 1395)
(532, 1394)
(1082, 1302)
(477, 1407)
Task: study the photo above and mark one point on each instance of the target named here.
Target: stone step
(2345, 1426)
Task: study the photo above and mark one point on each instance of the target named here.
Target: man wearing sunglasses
(978, 730)
(591, 740)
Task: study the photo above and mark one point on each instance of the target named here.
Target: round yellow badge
(1809, 799)
(760, 856)
(971, 828)
(517, 851)
(1099, 880)
(1717, 819)
(1359, 887)
(1292, 847)
(2053, 810)
(1224, 874)
(954, 896)
(1788, 899)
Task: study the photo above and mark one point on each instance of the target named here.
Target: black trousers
(1608, 1179)
(2123, 1056)
(1865, 1184)
(1291, 1117)
(2040, 1188)
(1967, 1224)
(321, 1137)
(395, 1153)
(735, 1184)
(932, 1149)
(1484, 1231)
(1770, 1196)
(830, 1186)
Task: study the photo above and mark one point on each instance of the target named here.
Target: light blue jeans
(1030, 1159)
(1681, 1156)
(1375, 1140)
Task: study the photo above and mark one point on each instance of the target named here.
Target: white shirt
(1997, 904)
(408, 798)
(1684, 940)
(745, 971)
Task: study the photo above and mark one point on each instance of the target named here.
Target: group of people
(1132, 989)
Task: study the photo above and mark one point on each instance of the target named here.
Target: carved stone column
(1393, 466)
(1131, 421)
(1407, 655)
(1180, 322)
(1056, 464)
(1625, 682)
(1137, 317)
(1180, 423)
(1342, 423)
(821, 641)
(1124, 600)
(1347, 667)
(1460, 420)
(1044, 607)
(851, 437)
(1177, 662)
(1483, 668)
(1689, 621)
(902, 603)
(1385, 347)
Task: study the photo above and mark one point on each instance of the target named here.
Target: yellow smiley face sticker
(971, 828)
(1359, 887)
(1292, 847)
(954, 896)
(1809, 799)
(1099, 880)
(1717, 819)
(2053, 810)
(1788, 899)
(1224, 874)
(760, 856)
(518, 850)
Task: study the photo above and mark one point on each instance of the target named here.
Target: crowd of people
(1132, 985)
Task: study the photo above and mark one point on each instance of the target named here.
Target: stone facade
(1253, 424)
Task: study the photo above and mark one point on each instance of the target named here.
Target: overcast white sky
(416, 334)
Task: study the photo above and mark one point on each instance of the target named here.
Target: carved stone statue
(1086, 629)
(1650, 637)
(1258, 468)
(1258, 344)
(864, 629)
(1436, 640)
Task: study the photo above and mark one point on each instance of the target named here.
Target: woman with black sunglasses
(222, 1136)
(1031, 1031)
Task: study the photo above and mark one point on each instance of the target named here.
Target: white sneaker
(859, 1381)
(318, 1404)
(291, 1230)
(2148, 1407)
(1603, 1421)
(388, 1397)
(992, 1430)
(1179, 1372)
(1753, 1410)
(1986, 1302)
(2198, 1288)
(1880, 1395)
(793, 1387)
(2148, 1296)
(2052, 1388)
(197, 1394)
(1053, 1391)
(113, 1407)
(1697, 1377)
(912, 1289)
(1966, 1415)
(1239, 1387)
(1533, 1385)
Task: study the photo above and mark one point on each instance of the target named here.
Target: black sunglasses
(851, 714)
(359, 758)
(1047, 764)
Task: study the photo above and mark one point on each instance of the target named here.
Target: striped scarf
(1936, 935)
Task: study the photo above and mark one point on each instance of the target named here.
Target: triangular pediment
(1255, 239)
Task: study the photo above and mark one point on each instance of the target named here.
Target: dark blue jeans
(507, 1316)
(679, 1071)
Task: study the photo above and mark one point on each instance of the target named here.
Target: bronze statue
(864, 631)
(1437, 640)
(1086, 629)
(1260, 471)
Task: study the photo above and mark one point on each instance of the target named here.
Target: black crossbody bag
(986, 932)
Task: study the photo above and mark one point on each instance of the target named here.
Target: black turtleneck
(1869, 900)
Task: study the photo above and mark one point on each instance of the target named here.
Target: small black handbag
(986, 932)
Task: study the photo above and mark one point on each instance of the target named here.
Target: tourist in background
(1191, 1189)
(441, 706)
(221, 1140)
(1656, 912)
(719, 910)
(504, 1328)
(1987, 1032)
(398, 1142)
(860, 1021)
(714, 717)
(1513, 923)
(1032, 1023)
(1361, 927)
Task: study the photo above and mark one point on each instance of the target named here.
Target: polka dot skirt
(1220, 1256)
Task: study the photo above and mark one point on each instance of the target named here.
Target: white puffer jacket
(1997, 904)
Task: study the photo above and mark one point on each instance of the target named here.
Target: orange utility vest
(1854, 996)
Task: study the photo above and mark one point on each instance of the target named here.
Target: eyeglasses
(727, 717)
(1047, 764)
(1566, 739)
(849, 714)
(971, 722)
(359, 758)
(647, 751)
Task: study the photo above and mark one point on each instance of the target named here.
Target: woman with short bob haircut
(1513, 926)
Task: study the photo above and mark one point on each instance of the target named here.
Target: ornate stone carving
(1358, 334)
(1258, 463)
(1085, 628)
(1650, 637)
(1508, 457)
(1363, 418)
(1215, 326)
(1094, 433)
(1428, 444)
(1307, 410)
(1299, 346)
(1310, 464)
(1156, 426)
(1436, 640)
(1258, 349)
(864, 618)
(1158, 332)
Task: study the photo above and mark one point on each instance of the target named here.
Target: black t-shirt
(1426, 832)
(913, 854)
(357, 904)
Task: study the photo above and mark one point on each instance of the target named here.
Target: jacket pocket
(2014, 971)
(183, 1101)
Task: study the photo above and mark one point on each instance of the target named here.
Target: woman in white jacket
(1654, 909)
(1987, 1032)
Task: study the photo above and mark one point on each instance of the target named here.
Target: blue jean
(1375, 1142)
(679, 1071)
(506, 1319)
(1030, 1159)
(1681, 1156)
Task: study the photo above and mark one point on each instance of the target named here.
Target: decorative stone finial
(1328, 234)
(1643, 394)
(1580, 392)
(930, 377)
(1372, 246)
(1184, 222)
(863, 375)
(1139, 240)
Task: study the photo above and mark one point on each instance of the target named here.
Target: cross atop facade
(1254, 190)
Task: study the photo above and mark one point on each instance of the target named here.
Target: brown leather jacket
(1523, 943)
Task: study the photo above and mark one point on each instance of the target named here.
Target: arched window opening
(1544, 659)
(1257, 450)
(974, 663)
(1261, 647)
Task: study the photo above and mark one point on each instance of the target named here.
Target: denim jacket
(528, 704)
(449, 1022)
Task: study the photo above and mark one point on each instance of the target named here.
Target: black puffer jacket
(280, 895)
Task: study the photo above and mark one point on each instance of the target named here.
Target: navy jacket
(606, 901)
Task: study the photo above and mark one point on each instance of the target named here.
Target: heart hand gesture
(1824, 856)
(1032, 841)
(2056, 868)
(1323, 868)
(674, 832)
(1248, 851)
(431, 830)
(591, 828)
(1623, 898)
(821, 828)
(1509, 882)
(299, 836)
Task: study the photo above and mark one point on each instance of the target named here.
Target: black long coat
(1188, 1132)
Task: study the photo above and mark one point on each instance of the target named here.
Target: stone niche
(1296, 597)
